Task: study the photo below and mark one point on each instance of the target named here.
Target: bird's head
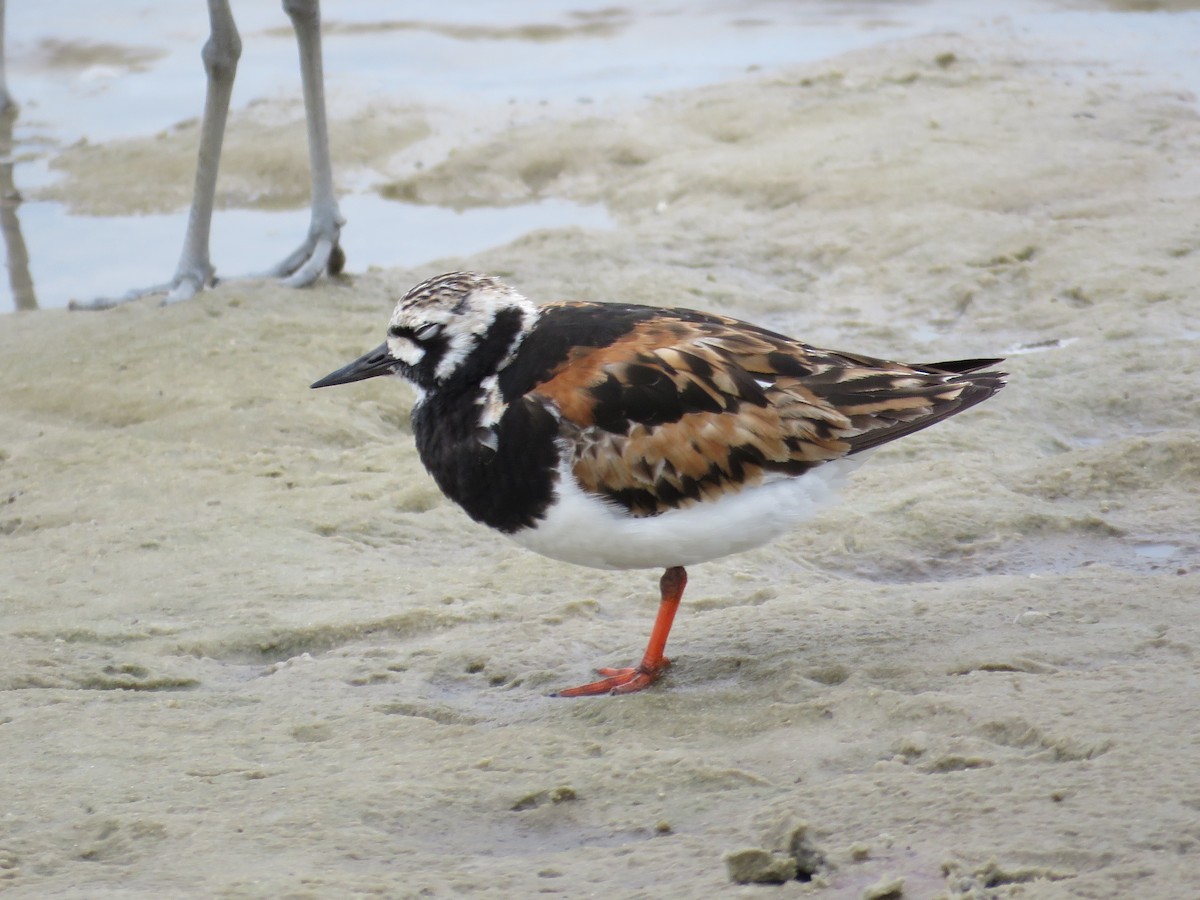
(458, 326)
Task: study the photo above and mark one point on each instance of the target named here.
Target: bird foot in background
(183, 286)
(318, 254)
(618, 681)
(321, 252)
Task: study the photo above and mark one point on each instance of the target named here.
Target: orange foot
(618, 681)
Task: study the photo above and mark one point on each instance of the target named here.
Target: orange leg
(626, 681)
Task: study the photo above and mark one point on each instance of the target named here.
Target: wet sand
(248, 650)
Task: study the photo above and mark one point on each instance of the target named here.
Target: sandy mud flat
(248, 650)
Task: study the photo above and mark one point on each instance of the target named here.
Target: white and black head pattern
(441, 323)
(448, 335)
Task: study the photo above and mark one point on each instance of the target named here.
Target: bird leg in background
(320, 250)
(628, 680)
(6, 100)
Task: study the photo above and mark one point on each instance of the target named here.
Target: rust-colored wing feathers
(686, 406)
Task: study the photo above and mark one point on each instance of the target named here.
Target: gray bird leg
(320, 249)
(195, 270)
(220, 54)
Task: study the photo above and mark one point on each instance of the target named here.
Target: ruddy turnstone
(621, 437)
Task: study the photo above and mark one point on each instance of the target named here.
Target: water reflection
(17, 254)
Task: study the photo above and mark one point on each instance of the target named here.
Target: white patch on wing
(583, 529)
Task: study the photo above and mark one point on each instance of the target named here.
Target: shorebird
(620, 436)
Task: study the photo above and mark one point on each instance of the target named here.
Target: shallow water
(135, 72)
(111, 253)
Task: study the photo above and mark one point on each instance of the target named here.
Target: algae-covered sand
(249, 650)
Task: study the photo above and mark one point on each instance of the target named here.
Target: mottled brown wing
(685, 406)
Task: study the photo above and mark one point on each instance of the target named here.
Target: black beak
(369, 365)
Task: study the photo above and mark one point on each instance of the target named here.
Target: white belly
(582, 529)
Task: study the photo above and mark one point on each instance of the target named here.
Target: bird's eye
(427, 332)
